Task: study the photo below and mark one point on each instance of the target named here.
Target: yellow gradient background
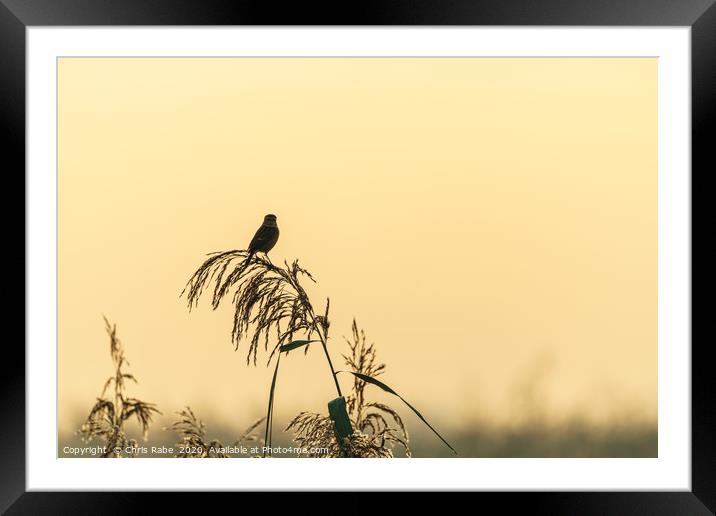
(491, 223)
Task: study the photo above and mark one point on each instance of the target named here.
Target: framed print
(456, 238)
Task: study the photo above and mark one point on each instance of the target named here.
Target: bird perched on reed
(265, 238)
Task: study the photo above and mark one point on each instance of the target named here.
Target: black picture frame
(17, 15)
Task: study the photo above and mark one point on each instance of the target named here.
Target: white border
(671, 471)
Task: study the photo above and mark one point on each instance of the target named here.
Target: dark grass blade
(295, 344)
(341, 422)
(339, 415)
(370, 379)
(269, 415)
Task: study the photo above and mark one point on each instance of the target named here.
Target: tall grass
(378, 427)
(273, 310)
(193, 441)
(109, 414)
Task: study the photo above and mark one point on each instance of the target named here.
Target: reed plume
(271, 306)
(107, 417)
(268, 301)
(193, 442)
(378, 428)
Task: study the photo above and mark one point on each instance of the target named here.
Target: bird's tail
(247, 261)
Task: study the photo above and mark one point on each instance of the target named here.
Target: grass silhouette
(108, 416)
(273, 310)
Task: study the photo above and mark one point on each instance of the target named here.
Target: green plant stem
(269, 415)
(328, 357)
(333, 371)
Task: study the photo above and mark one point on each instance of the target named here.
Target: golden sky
(491, 223)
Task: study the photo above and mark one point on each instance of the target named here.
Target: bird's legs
(269, 259)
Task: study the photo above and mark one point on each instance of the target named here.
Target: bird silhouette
(264, 239)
